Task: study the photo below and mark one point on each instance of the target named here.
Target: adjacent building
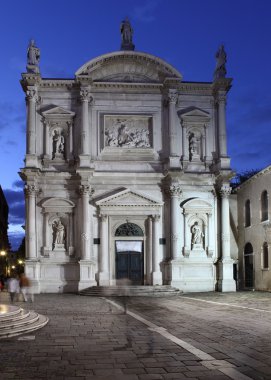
(254, 231)
(127, 175)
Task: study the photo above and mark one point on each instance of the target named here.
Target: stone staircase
(131, 291)
(15, 321)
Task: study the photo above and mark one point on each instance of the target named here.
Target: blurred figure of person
(26, 289)
(13, 287)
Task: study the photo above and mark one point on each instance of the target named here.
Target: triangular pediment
(57, 111)
(127, 198)
(128, 67)
(193, 113)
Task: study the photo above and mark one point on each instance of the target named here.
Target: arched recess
(198, 221)
(249, 265)
(55, 210)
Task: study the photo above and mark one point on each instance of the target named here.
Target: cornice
(64, 83)
(127, 85)
(255, 177)
(195, 87)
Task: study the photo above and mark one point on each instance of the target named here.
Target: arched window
(265, 256)
(247, 214)
(264, 206)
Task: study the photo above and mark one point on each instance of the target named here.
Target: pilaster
(85, 98)
(104, 257)
(174, 159)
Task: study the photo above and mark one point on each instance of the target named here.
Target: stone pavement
(208, 336)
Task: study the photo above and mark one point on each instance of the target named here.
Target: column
(149, 251)
(225, 191)
(175, 192)
(87, 266)
(104, 258)
(70, 137)
(85, 97)
(226, 282)
(156, 272)
(85, 191)
(172, 97)
(222, 132)
(31, 97)
(30, 192)
(185, 142)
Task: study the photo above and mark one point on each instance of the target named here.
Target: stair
(131, 291)
(15, 321)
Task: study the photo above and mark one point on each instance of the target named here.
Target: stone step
(134, 291)
(15, 321)
(40, 322)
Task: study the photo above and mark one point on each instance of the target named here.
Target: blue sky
(186, 33)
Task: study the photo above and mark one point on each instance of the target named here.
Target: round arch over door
(248, 266)
(129, 254)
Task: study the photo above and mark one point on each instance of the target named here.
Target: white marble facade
(126, 154)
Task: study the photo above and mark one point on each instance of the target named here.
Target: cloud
(16, 205)
(144, 13)
(15, 238)
(18, 184)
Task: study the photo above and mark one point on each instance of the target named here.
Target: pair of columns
(32, 99)
(153, 260)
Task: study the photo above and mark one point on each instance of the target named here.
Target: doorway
(129, 261)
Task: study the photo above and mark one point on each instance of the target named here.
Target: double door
(129, 263)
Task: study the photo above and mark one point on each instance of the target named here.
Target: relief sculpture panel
(127, 131)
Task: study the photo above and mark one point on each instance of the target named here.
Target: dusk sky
(185, 33)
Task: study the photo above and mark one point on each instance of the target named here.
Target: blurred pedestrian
(26, 289)
(13, 287)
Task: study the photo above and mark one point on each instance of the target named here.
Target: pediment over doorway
(128, 198)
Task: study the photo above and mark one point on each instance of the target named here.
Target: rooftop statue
(33, 58)
(126, 35)
(221, 59)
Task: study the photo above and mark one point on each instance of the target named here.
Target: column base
(31, 160)
(157, 278)
(87, 274)
(174, 162)
(84, 160)
(226, 283)
(103, 279)
(32, 270)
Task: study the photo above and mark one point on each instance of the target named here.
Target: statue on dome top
(221, 59)
(126, 35)
(33, 58)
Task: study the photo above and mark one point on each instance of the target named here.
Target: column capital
(156, 217)
(174, 190)
(225, 191)
(86, 190)
(31, 95)
(172, 96)
(31, 190)
(221, 98)
(103, 217)
(85, 95)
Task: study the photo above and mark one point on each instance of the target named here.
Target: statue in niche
(58, 233)
(197, 235)
(221, 59)
(58, 144)
(33, 57)
(194, 146)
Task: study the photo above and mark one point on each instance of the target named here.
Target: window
(249, 266)
(265, 256)
(264, 206)
(247, 214)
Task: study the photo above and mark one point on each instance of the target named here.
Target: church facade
(127, 175)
